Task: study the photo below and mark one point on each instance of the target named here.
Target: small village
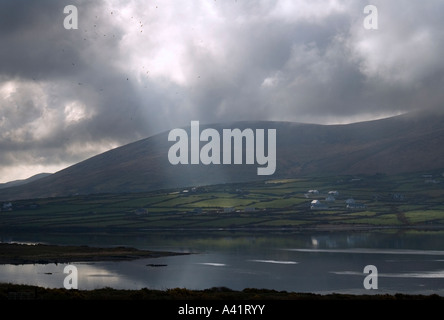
(331, 200)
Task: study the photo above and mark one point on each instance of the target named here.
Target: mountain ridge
(19, 182)
(405, 143)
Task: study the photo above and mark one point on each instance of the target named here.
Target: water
(411, 263)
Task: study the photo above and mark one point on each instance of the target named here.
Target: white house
(313, 191)
(317, 205)
(334, 193)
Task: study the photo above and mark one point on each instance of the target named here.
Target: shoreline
(15, 253)
(339, 227)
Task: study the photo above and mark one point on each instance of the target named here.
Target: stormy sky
(136, 68)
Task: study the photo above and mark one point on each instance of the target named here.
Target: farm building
(7, 206)
(356, 206)
(141, 211)
(317, 205)
(398, 197)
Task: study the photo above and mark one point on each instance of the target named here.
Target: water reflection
(373, 251)
(292, 262)
(51, 275)
(424, 274)
(275, 261)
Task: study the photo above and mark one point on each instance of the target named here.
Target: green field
(402, 201)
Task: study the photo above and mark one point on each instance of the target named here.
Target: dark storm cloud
(63, 99)
(134, 68)
(330, 68)
(281, 71)
(35, 44)
(70, 65)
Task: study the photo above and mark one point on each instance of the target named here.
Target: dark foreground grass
(28, 292)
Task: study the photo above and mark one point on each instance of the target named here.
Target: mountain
(406, 143)
(23, 181)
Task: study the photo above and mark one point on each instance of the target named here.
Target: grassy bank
(27, 292)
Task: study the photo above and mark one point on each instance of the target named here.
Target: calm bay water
(410, 262)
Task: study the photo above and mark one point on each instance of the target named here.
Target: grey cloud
(312, 71)
(296, 67)
(323, 76)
